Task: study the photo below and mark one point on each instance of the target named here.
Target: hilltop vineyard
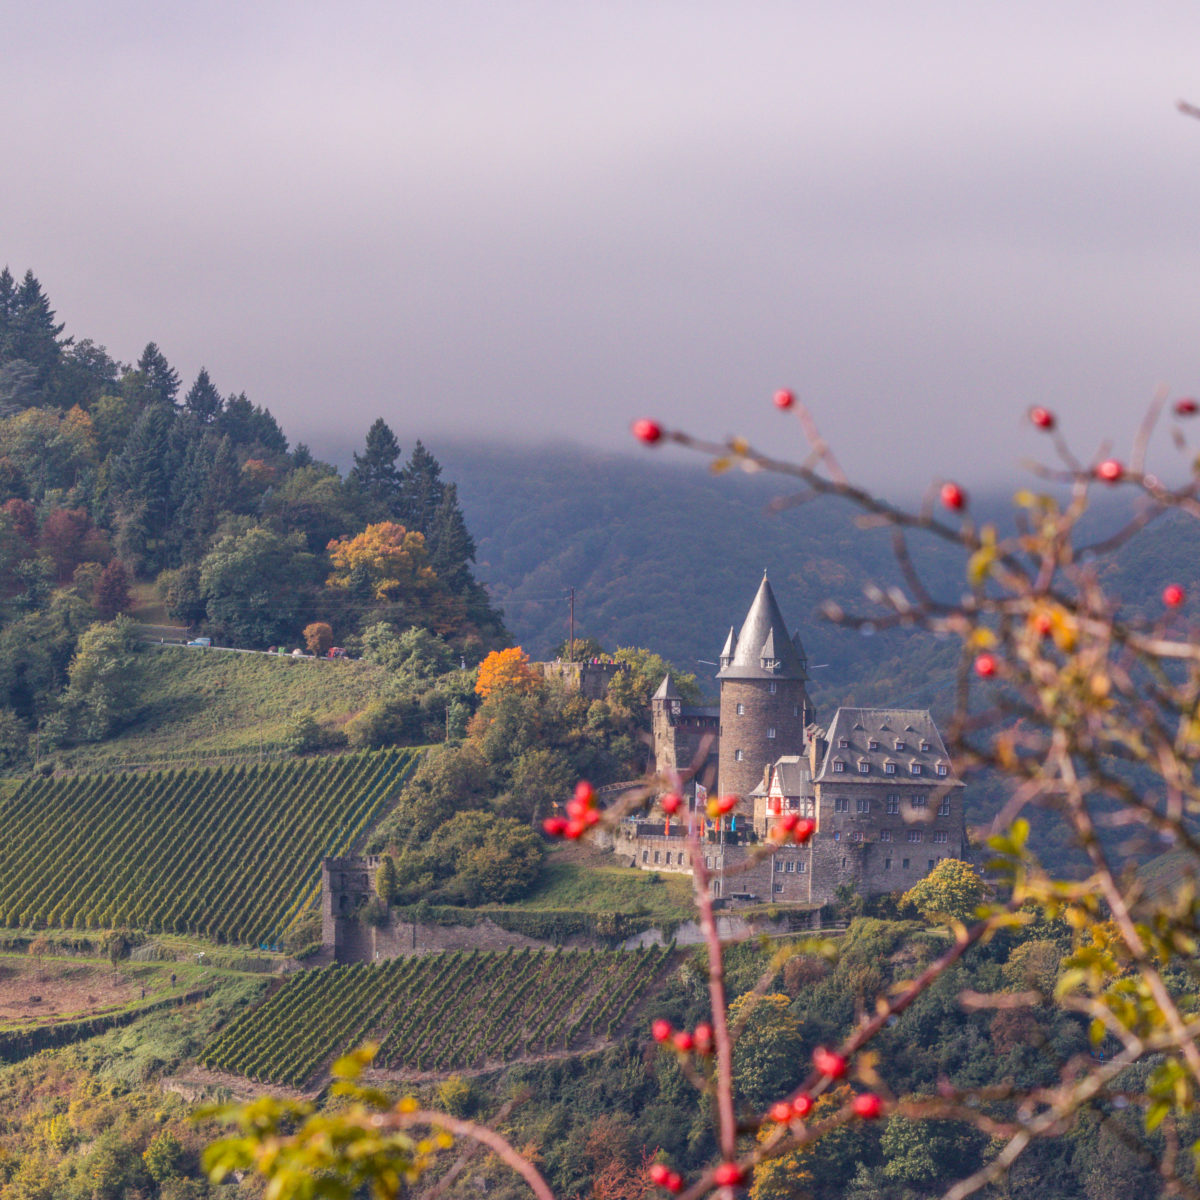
(230, 853)
(438, 1012)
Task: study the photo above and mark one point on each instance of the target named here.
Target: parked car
(200, 641)
(298, 653)
(336, 652)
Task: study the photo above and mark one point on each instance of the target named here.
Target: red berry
(1109, 471)
(660, 1030)
(1042, 624)
(784, 399)
(802, 1105)
(674, 1182)
(985, 666)
(647, 431)
(953, 497)
(829, 1062)
(584, 793)
(683, 1041)
(1173, 595)
(554, 826)
(575, 829)
(658, 1173)
(704, 1037)
(591, 817)
(867, 1105)
(805, 828)
(575, 809)
(781, 1112)
(671, 802)
(789, 821)
(728, 1174)
(1186, 408)
(727, 804)
(1043, 418)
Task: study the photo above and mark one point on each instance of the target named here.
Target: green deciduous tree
(104, 682)
(951, 891)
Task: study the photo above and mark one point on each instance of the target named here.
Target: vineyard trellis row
(438, 1012)
(229, 852)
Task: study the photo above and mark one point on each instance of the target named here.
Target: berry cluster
(790, 827)
(699, 1039)
(582, 814)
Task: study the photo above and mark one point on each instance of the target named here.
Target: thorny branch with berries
(1089, 714)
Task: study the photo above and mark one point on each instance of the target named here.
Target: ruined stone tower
(764, 703)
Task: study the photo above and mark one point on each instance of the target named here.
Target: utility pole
(571, 640)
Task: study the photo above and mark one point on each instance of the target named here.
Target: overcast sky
(531, 220)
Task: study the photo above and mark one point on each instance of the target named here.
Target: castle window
(771, 732)
(862, 804)
(872, 744)
(944, 807)
(899, 744)
(741, 710)
(779, 864)
(893, 804)
(914, 768)
(645, 856)
(885, 835)
(791, 867)
(795, 710)
(838, 766)
(837, 837)
(931, 864)
(864, 767)
(772, 687)
(915, 835)
(708, 861)
(801, 867)
(940, 835)
(920, 803)
(887, 864)
(843, 743)
(941, 769)
(905, 864)
(738, 756)
(668, 858)
(779, 887)
(841, 804)
(843, 862)
(856, 836)
(924, 746)
(656, 857)
(889, 768)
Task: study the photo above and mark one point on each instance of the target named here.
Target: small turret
(726, 655)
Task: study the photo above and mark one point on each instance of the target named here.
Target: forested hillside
(119, 484)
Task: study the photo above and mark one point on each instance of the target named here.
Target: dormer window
(838, 766)
(864, 767)
(872, 744)
(843, 743)
(941, 769)
(899, 744)
(924, 746)
(889, 767)
(914, 768)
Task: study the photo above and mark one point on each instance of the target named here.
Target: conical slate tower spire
(764, 648)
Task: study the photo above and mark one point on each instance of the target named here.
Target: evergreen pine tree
(203, 399)
(451, 547)
(375, 479)
(160, 377)
(421, 490)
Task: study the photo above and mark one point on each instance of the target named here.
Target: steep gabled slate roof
(763, 635)
(886, 727)
(667, 689)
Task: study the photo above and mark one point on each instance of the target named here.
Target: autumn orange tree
(1092, 716)
(506, 672)
(386, 559)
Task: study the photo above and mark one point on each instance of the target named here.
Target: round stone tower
(764, 704)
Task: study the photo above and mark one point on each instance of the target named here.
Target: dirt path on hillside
(33, 992)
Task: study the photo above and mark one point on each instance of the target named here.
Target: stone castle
(878, 781)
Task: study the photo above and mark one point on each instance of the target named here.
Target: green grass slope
(229, 853)
(195, 702)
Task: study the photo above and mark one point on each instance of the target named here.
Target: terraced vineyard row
(232, 853)
(438, 1012)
